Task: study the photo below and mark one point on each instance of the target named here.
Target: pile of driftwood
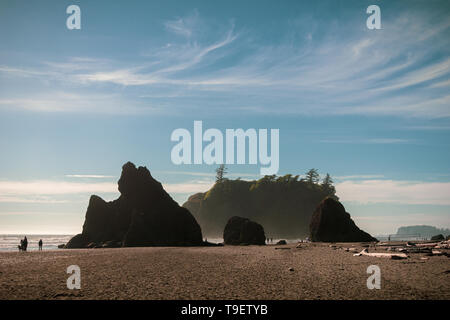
(400, 250)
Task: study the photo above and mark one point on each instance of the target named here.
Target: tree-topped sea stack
(282, 204)
(143, 215)
(331, 223)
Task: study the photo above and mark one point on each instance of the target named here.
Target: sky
(369, 107)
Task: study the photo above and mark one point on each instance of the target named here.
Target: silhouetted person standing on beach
(40, 245)
(25, 244)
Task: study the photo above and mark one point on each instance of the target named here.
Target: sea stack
(331, 223)
(143, 215)
(243, 231)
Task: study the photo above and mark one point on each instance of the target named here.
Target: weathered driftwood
(430, 245)
(419, 250)
(391, 244)
(364, 252)
(437, 253)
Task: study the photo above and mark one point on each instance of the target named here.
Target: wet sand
(315, 271)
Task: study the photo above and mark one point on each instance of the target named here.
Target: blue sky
(371, 107)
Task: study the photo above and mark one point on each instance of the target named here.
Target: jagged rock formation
(331, 223)
(143, 215)
(242, 231)
(283, 205)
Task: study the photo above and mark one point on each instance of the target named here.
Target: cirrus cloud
(392, 191)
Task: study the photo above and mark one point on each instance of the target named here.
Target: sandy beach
(315, 271)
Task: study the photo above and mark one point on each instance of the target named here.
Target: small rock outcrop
(438, 237)
(243, 231)
(143, 215)
(331, 223)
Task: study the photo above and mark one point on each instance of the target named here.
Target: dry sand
(249, 272)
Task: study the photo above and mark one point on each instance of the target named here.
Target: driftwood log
(364, 252)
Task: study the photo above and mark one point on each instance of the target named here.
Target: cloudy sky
(370, 107)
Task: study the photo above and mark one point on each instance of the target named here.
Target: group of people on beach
(24, 244)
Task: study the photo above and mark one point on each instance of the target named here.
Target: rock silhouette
(243, 231)
(331, 223)
(143, 215)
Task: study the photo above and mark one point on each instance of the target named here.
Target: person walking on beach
(40, 245)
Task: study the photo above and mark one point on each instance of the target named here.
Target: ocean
(9, 242)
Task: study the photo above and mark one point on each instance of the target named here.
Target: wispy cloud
(427, 73)
(427, 128)
(30, 199)
(360, 176)
(188, 173)
(32, 213)
(164, 72)
(179, 27)
(208, 174)
(93, 176)
(190, 187)
(183, 26)
(368, 141)
(396, 71)
(392, 191)
(349, 188)
(76, 64)
(27, 72)
(407, 106)
(49, 187)
(61, 101)
(50, 191)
